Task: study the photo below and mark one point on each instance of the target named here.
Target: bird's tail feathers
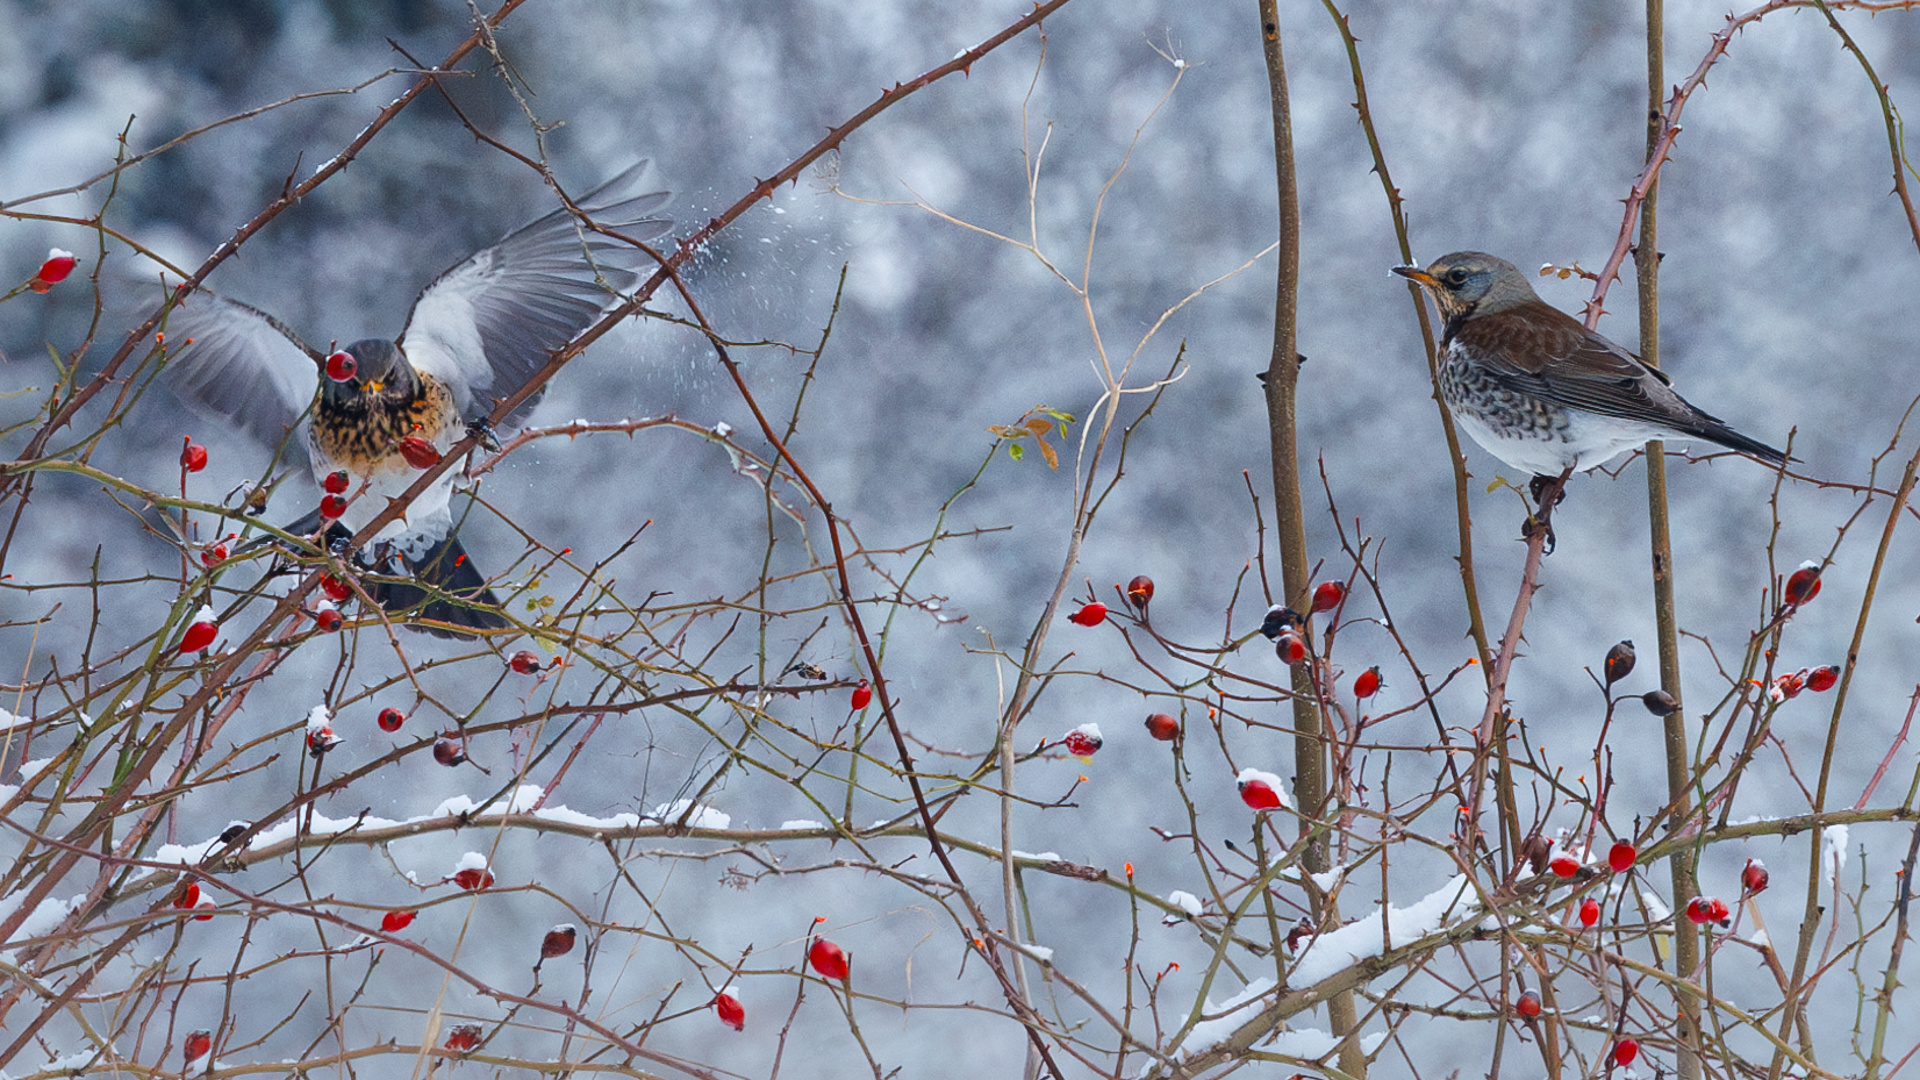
(1733, 440)
(444, 596)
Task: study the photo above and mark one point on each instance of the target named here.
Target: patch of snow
(1363, 938)
(1833, 847)
(46, 917)
(800, 824)
(565, 816)
(1232, 1012)
(1185, 901)
(702, 817)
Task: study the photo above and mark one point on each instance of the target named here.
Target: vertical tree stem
(1646, 261)
(1283, 375)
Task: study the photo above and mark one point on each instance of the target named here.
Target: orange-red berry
(1140, 592)
(1327, 596)
(1089, 615)
(828, 959)
(1368, 684)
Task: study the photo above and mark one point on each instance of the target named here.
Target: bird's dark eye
(1456, 276)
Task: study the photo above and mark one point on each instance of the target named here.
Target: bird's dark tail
(444, 589)
(441, 587)
(1733, 440)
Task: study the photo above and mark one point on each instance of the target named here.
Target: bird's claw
(480, 430)
(1547, 492)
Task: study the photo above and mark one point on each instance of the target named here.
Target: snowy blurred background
(1511, 127)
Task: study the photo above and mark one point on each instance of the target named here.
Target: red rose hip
(828, 959)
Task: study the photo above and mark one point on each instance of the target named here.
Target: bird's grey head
(378, 368)
(1472, 281)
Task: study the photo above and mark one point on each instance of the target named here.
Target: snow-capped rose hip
(726, 1005)
(828, 959)
(1624, 1052)
(1163, 727)
(472, 880)
(58, 265)
(1083, 741)
(200, 632)
(448, 752)
(341, 366)
(419, 452)
(1564, 865)
(558, 941)
(213, 555)
(326, 619)
(1140, 592)
(395, 921)
(332, 506)
(524, 662)
(1527, 1005)
(862, 696)
(464, 1039)
(1327, 596)
(203, 909)
(471, 872)
(1367, 684)
(336, 482)
(1261, 790)
(390, 719)
(193, 456)
(1621, 856)
(1754, 877)
(1279, 619)
(1802, 585)
(335, 589)
(1821, 679)
(196, 1044)
(1619, 662)
(1699, 910)
(1089, 614)
(1718, 912)
(60, 262)
(1589, 911)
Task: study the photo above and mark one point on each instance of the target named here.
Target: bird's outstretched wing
(485, 326)
(237, 363)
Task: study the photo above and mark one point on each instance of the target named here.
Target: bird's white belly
(1584, 441)
(427, 519)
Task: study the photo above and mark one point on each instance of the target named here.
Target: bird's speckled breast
(1471, 391)
(363, 435)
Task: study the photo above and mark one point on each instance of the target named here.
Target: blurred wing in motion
(239, 364)
(485, 326)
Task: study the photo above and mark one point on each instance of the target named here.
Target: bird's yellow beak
(373, 386)
(1414, 273)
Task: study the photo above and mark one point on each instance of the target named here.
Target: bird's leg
(1547, 492)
